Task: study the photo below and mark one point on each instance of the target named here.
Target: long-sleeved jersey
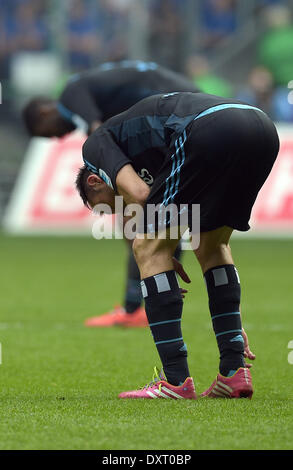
(113, 87)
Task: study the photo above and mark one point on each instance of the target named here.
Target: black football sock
(163, 304)
(133, 297)
(224, 291)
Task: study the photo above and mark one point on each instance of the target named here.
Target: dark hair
(80, 183)
(31, 112)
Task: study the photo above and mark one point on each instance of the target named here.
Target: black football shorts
(220, 162)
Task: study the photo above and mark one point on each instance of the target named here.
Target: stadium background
(229, 48)
(51, 364)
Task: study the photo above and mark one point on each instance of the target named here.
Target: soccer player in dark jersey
(89, 99)
(92, 97)
(197, 149)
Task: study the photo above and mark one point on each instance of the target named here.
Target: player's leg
(163, 304)
(223, 287)
(132, 313)
(133, 297)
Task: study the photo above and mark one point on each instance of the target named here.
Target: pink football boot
(118, 317)
(160, 388)
(239, 385)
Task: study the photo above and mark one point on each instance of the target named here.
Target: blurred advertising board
(273, 210)
(44, 199)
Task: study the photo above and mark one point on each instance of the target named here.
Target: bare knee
(153, 256)
(214, 248)
(145, 250)
(208, 257)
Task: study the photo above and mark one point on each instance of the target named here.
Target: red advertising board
(55, 201)
(273, 210)
(44, 198)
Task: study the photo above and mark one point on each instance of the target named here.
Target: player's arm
(94, 126)
(131, 186)
(79, 105)
(103, 156)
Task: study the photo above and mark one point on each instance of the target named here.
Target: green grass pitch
(60, 380)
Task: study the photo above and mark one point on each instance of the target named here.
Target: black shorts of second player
(220, 162)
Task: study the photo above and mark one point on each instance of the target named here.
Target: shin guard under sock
(163, 304)
(223, 287)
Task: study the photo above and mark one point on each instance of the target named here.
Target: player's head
(42, 118)
(93, 190)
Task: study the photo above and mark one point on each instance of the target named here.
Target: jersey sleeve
(77, 105)
(103, 156)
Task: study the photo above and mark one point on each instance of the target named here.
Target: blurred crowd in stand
(268, 82)
(94, 31)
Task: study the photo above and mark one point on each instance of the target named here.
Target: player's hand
(178, 268)
(247, 352)
(95, 125)
(183, 291)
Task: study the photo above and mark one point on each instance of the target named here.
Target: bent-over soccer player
(198, 149)
(88, 99)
